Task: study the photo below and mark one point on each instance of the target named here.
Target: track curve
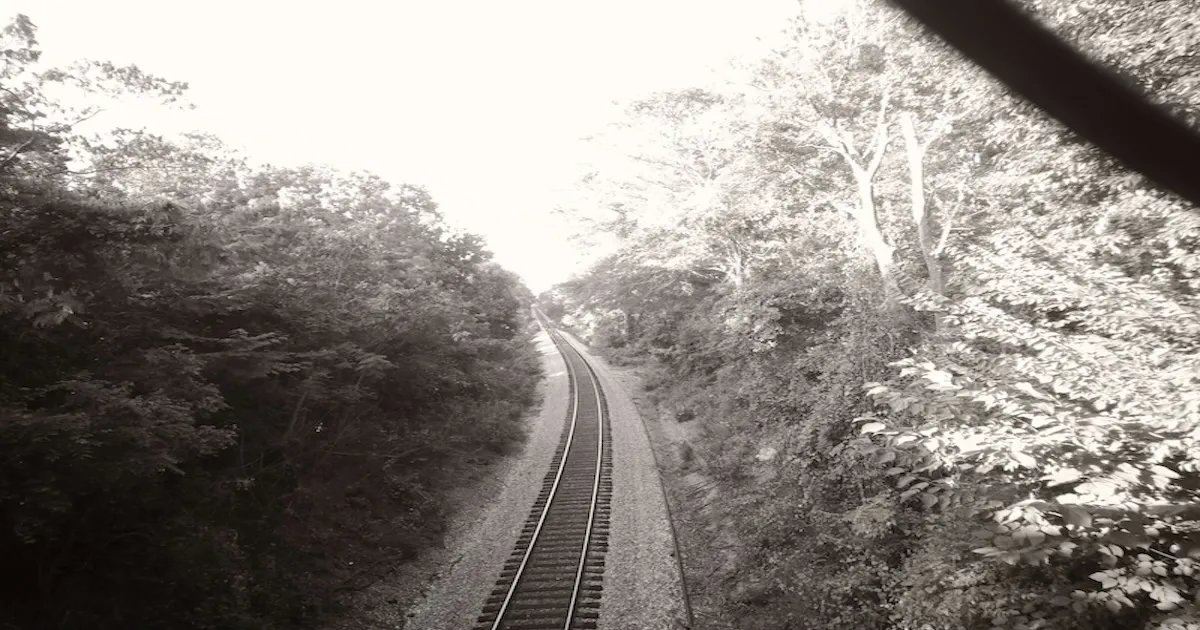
(553, 578)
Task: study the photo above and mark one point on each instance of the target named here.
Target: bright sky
(482, 102)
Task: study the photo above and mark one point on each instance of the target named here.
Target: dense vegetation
(228, 395)
(940, 355)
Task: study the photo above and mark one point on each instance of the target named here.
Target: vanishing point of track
(552, 580)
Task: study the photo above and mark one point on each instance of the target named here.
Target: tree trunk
(867, 218)
(629, 323)
(920, 210)
(735, 263)
(865, 213)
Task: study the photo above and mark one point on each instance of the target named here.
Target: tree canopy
(230, 395)
(968, 333)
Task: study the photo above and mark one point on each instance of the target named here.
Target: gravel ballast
(642, 589)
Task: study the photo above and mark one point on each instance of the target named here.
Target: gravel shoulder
(706, 543)
(642, 586)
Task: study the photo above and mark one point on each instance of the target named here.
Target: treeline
(941, 357)
(229, 395)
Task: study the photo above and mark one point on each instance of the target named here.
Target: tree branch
(17, 151)
(688, 172)
(844, 207)
(836, 143)
(947, 224)
(85, 118)
(881, 137)
(20, 104)
(121, 168)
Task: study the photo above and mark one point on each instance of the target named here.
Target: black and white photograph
(635, 315)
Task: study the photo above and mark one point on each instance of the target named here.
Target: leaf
(1062, 476)
(1008, 515)
(938, 376)
(1010, 557)
(1023, 459)
(872, 427)
(1126, 539)
(1052, 530)
(1041, 421)
(1028, 389)
(1165, 472)
(1075, 515)
(1105, 579)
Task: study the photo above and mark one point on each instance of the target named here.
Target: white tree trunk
(865, 211)
(866, 216)
(920, 210)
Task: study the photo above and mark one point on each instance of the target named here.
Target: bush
(203, 434)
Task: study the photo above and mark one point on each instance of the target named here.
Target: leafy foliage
(228, 396)
(972, 355)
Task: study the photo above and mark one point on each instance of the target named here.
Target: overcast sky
(482, 102)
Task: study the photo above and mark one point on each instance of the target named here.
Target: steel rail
(512, 589)
(591, 521)
(689, 619)
(569, 512)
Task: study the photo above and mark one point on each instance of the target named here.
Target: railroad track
(553, 579)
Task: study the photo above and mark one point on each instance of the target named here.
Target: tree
(1097, 104)
(36, 130)
(228, 392)
(1028, 464)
